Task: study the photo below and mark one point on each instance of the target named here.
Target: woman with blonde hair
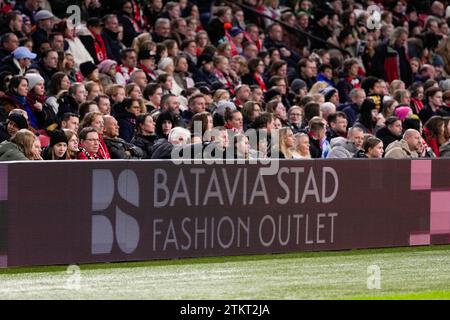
(221, 94)
(285, 143)
(22, 147)
(317, 87)
(140, 40)
(396, 85)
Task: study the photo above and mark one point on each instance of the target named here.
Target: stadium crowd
(292, 79)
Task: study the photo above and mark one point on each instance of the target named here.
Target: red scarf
(129, 72)
(260, 81)
(138, 15)
(225, 79)
(100, 48)
(103, 152)
(147, 71)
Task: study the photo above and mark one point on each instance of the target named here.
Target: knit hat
(402, 112)
(57, 136)
(328, 92)
(106, 65)
(33, 79)
(204, 58)
(235, 31)
(145, 54)
(297, 84)
(438, 61)
(271, 93)
(19, 120)
(320, 14)
(164, 63)
(222, 105)
(87, 68)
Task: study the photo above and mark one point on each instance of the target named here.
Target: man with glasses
(295, 118)
(89, 144)
(9, 42)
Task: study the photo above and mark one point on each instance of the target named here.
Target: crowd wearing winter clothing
(290, 79)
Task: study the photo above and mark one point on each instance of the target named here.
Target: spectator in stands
(110, 36)
(369, 120)
(72, 143)
(317, 135)
(205, 70)
(70, 121)
(70, 101)
(405, 148)
(129, 63)
(164, 123)
(337, 122)
(153, 94)
(241, 146)
(117, 147)
(162, 30)
(145, 136)
(21, 147)
(306, 71)
(44, 21)
(14, 24)
(8, 42)
(116, 93)
(18, 62)
(196, 104)
(57, 150)
(59, 84)
(390, 61)
(93, 41)
(107, 70)
(129, 24)
(89, 144)
(103, 103)
(216, 27)
(42, 115)
(373, 148)
(301, 146)
(255, 76)
(182, 76)
(47, 65)
(391, 132)
(95, 120)
(16, 120)
(285, 146)
(433, 98)
(176, 137)
(126, 117)
(434, 133)
(250, 111)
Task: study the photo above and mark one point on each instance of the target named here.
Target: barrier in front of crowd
(104, 211)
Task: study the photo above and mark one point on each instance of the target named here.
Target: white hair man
(170, 148)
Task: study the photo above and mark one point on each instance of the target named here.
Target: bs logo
(122, 228)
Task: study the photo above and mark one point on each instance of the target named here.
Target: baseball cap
(23, 52)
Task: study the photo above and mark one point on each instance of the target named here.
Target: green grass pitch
(405, 273)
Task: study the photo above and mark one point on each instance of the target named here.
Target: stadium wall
(105, 211)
